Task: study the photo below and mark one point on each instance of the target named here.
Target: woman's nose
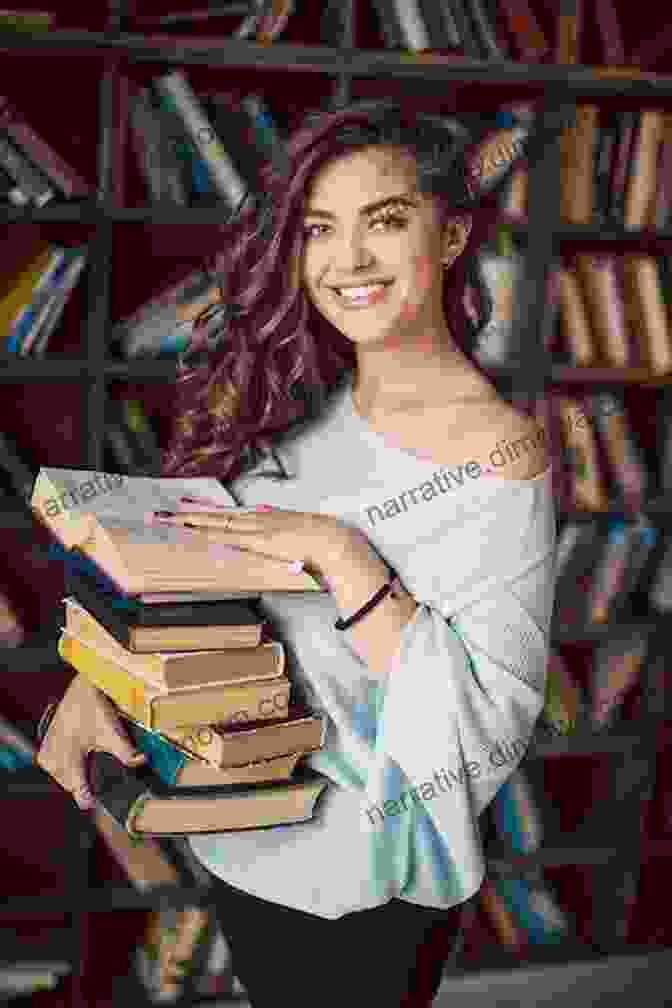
(353, 254)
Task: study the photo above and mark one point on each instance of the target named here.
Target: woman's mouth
(362, 296)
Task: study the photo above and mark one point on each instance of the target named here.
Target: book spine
(606, 317)
(609, 27)
(609, 574)
(604, 153)
(577, 146)
(589, 491)
(178, 94)
(643, 294)
(25, 321)
(526, 31)
(58, 303)
(623, 456)
(484, 31)
(576, 328)
(641, 187)
(440, 24)
(15, 331)
(145, 141)
(613, 675)
(44, 157)
(627, 128)
(389, 23)
(137, 698)
(502, 921)
(10, 191)
(29, 180)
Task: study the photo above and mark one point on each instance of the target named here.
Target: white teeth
(352, 292)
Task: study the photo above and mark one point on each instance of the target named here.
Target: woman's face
(369, 231)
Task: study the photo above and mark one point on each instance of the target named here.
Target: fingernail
(165, 514)
(263, 507)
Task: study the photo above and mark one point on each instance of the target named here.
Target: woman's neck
(452, 378)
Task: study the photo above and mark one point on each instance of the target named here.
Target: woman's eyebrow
(407, 197)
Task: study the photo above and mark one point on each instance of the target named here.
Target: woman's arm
(357, 575)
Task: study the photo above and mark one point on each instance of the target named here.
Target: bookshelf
(105, 44)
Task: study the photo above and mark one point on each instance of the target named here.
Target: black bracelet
(368, 606)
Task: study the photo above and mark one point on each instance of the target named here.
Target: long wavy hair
(277, 359)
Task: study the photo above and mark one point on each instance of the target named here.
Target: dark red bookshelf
(54, 410)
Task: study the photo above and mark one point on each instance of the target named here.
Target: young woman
(347, 349)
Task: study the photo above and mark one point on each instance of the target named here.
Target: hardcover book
(110, 518)
(144, 806)
(161, 708)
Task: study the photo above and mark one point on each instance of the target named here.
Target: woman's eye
(395, 221)
(390, 220)
(310, 228)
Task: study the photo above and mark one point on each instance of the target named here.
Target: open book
(109, 518)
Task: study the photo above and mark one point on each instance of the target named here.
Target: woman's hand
(84, 720)
(318, 541)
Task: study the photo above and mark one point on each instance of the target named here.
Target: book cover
(589, 491)
(31, 181)
(173, 668)
(161, 709)
(232, 746)
(144, 806)
(577, 332)
(615, 670)
(55, 168)
(177, 95)
(641, 185)
(118, 613)
(624, 456)
(647, 311)
(59, 300)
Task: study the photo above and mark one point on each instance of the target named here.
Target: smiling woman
(348, 350)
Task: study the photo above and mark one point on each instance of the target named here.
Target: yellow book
(163, 710)
(21, 291)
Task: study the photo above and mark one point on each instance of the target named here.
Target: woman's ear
(455, 237)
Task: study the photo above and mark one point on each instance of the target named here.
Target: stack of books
(172, 639)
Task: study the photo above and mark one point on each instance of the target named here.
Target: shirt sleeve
(466, 685)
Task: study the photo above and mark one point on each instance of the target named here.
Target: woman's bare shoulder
(491, 432)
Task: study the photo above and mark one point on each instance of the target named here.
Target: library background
(110, 215)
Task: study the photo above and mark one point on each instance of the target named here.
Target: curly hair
(276, 359)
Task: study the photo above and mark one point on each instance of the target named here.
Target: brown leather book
(177, 669)
(641, 188)
(167, 710)
(598, 281)
(576, 329)
(647, 312)
(145, 806)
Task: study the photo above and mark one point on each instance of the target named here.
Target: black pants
(390, 956)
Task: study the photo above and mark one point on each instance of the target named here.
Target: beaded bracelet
(368, 606)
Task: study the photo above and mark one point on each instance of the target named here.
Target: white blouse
(417, 756)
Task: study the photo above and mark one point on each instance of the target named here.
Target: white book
(175, 88)
(57, 303)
